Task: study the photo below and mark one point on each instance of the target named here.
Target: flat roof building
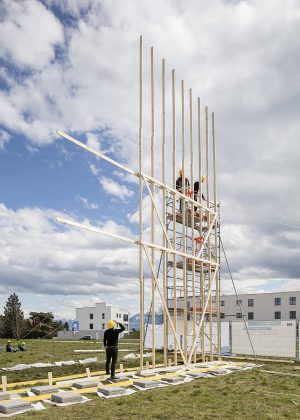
(95, 318)
(261, 306)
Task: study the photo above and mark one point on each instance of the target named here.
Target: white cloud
(241, 57)
(95, 171)
(39, 255)
(93, 141)
(87, 204)
(112, 187)
(4, 138)
(29, 33)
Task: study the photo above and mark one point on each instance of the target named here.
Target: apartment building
(95, 318)
(261, 306)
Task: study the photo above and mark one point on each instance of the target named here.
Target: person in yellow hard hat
(22, 347)
(110, 342)
(179, 187)
(196, 190)
(9, 348)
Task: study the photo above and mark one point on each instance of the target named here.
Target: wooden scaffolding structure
(182, 248)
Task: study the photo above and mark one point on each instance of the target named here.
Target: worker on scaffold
(110, 341)
(196, 190)
(179, 187)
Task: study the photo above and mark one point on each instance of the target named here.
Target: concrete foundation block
(45, 389)
(173, 379)
(120, 379)
(216, 371)
(14, 406)
(145, 374)
(66, 397)
(197, 375)
(4, 396)
(110, 391)
(145, 384)
(85, 384)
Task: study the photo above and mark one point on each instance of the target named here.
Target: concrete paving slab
(45, 389)
(119, 379)
(66, 397)
(217, 371)
(197, 375)
(85, 384)
(145, 374)
(14, 406)
(173, 379)
(146, 384)
(4, 396)
(112, 390)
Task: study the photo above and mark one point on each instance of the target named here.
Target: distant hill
(134, 320)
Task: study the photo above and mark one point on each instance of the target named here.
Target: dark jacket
(196, 191)
(111, 336)
(179, 184)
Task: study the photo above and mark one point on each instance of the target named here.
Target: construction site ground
(251, 394)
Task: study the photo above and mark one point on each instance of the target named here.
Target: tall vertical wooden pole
(201, 226)
(185, 322)
(141, 262)
(193, 221)
(152, 206)
(174, 211)
(209, 238)
(216, 239)
(164, 209)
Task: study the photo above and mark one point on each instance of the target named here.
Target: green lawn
(50, 351)
(240, 395)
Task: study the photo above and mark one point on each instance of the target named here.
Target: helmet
(180, 172)
(111, 324)
(23, 344)
(9, 341)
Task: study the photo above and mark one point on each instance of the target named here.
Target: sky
(73, 65)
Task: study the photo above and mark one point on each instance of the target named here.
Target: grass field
(242, 395)
(50, 351)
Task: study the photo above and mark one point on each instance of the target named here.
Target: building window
(103, 315)
(250, 315)
(277, 315)
(250, 302)
(91, 326)
(239, 315)
(222, 303)
(103, 326)
(277, 302)
(292, 314)
(125, 318)
(239, 302)
(222, 315)
(292, 300)
(117, 315)
(91, 316)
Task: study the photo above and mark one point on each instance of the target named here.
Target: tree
(13, 317)
(2, 326)
(41, 319)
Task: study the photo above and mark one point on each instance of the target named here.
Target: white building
(93, 319)
(261, 306)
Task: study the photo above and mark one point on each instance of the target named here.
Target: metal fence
(269, 338)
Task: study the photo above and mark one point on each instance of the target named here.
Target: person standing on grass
(110, 342)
